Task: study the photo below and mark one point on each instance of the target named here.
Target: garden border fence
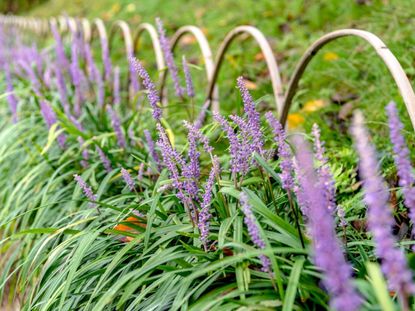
(96, 30)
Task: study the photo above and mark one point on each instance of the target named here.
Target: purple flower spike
(234, 145)
(85, 154)
(168, 57)
(128, 179)
(61, 139)
(91, 68)
(189, 82)
(380, 219)
(173, 162)
(138, 213)
(116, 125)
(135, 85)
(63, 92)
(11, 98)
(86, 189)
(328, 255)
(76, 72)
(191, 171)
(204, 215)
(76, 122)
(299, 191)
(47, 76)
(253, 231)
(402, 161)
(151, 147)
(59, 48)
(94, 75)
(195, 132)
(341, 213)
(164, 140)
(284, 153)
(35, 83)
(152, 94)
(106, 59)
(104, 159)
(50, 119)
(254, 122)
(325, 176)
(131, 136)
(116, 90)
(246, 146)
(140, 172)
(100, 90)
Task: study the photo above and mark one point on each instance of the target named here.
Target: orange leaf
(188, 40)
(107, 16)
(259, 56)
(250, 85)
(123, 226)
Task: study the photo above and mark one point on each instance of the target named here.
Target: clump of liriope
(306, 178)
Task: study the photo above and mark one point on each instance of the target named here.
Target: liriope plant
(105, 208)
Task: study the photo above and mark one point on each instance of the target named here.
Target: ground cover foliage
(111, 202)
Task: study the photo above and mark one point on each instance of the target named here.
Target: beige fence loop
(205, 49)
(98, 31)
(86, 30)
(43, 26)
(72, 26)
(53, 22)
(143, 28)
(262, 42)
(122, 28)
(381, 49)
(63, 26)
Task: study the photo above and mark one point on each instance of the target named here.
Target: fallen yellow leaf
(268, 13)
(131, 7)
(330, 56)
(232, 61)
(115, 8)
(294, 120)
(313, 105)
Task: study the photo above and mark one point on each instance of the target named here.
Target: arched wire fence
(96, 30)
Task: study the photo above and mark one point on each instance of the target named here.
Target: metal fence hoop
(148, 28)
(205, 49)
(263, 43)
(388, 58)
